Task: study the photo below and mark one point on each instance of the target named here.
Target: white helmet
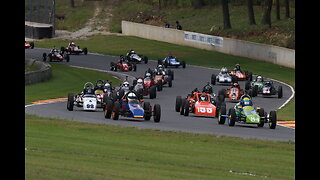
(224, 70)
(126, 84)
(139, 81)
(132, 96)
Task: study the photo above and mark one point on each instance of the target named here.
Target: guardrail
(258, 51)
(43, 74)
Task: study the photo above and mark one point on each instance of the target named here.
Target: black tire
(108, 109)
(85, 51)
(272, 120)
(153, 92)
(44, 56)
(184, 64)
(145, 59)
(67, 57)
(70, 102)
(32, 45)
(182, 106)
(247, 85)
(186, 108)
(255, 91)
(232, 117)
(116, 110)
(178, 103)
(169, 82)
(222, 111)
(213, 79)
(280, 93)
(147, 112)
(157, 113)
(262, 117)
(234, 79)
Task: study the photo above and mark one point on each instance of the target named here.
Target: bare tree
(251, 19)
(278, 9)
(72, 3)
(266, 18)
(287, 8)
(226, 16)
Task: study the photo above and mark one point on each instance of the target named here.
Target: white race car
(86, 99)
(223, 77)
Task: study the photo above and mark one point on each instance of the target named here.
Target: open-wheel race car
(55, 55)
(265, 88)
(72, 48)
(130, 106)
(224, 77)
(87, 99)
(233, 93)
(123, 65)
(171, 61)
(145, 86)
(138, 58)
(245, 113)
(200, 104)
(240, 74)
(28, 45)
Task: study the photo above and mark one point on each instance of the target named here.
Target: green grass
(64, 80)
(63, 149)
(75, 18)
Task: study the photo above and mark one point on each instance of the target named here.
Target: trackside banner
(203, 38)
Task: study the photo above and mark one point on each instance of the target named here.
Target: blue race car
(172, 61)
(132, 107)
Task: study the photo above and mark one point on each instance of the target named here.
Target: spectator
(179, 27)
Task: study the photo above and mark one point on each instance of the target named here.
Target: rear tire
(272, 120)
(108, 109)
(186, 108)
(116, 110)
(147, 113)
(70, 102)
(222, 111)
(232, 117)
(157, 113)
(178, 103)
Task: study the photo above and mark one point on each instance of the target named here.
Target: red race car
(241, 75)
(123, 65)
(73, 49)
(28, 45)
(55, 55)
(234, 93)
(199, 104)
(145, 86)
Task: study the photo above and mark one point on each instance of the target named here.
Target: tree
(287, 8)
(266, 18)
(251, 19)
(72, 3)
(278, 9)
(226, 16)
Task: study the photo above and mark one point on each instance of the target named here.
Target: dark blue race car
(172, 61)
(132, 107)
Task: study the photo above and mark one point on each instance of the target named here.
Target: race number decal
(204, 110)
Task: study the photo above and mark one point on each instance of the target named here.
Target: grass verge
(65, 79)
(63, 149)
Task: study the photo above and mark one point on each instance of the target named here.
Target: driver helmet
(237, 66)
(72, 43)
(126, 84)
(139, 81)
(208, 89)
(107, 86)
(236, 85)
(224, 70)
(246, 100)
(259, 79)
(132, 96)
(268, 84)
(132, 51)
(203, 97)
(148, 75)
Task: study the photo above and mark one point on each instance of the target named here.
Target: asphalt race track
(185, 81)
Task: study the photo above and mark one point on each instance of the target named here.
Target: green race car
(244, 112)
